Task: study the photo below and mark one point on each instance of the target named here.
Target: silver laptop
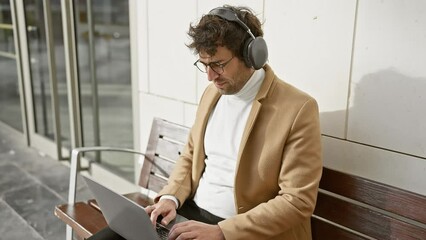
(126, 217)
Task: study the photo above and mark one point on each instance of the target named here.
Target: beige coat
(278, 168)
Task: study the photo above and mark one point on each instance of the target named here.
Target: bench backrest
(348, 206)
(352, 207)
(165, 144)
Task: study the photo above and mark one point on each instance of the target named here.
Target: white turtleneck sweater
(222, 139)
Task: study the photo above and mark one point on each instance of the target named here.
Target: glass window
(9, 85)
(105, 80)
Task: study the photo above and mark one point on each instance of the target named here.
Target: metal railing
(75, 167)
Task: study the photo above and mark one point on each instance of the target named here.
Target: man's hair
(213, 31)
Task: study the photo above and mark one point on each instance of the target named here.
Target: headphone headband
(255, 51)
(231, 16)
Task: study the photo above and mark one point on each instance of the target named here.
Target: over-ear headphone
(255, 51)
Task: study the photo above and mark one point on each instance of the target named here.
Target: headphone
(255, 51)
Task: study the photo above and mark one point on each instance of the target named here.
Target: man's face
(235, 73)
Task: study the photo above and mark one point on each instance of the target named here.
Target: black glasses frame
(215, 66)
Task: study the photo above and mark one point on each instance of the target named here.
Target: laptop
(125, 217)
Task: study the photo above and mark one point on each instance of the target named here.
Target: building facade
(86, 73)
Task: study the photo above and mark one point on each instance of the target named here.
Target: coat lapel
(211, 97)
(256, 107)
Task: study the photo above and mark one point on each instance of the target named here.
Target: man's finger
(154, 216)
(149, 209)
(180, 228)
(168, 218)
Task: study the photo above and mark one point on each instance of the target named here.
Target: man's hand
(195, 230)
(165, 208)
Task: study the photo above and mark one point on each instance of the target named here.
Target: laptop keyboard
(163, 232)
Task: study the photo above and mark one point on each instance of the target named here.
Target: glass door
(103, 54)
(46, 82)
(10, 85)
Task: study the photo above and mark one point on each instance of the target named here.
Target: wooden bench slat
(162, 167)
(156, 183)
(365, 220)
(84, 219)
(375, 194)
(169, 150)
(174, 131)
(325, 231)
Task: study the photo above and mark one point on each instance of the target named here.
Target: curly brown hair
(213, 31)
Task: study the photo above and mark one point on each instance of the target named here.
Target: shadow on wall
(388, 110)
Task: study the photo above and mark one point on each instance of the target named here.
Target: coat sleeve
(298, 182)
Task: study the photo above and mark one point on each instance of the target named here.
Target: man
(252, 164)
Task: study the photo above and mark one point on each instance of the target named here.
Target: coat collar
(212, 96)
(263, 91)
(267, 83)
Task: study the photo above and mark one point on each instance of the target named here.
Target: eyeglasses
(215, 66)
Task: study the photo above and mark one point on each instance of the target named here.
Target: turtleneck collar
(250, 89)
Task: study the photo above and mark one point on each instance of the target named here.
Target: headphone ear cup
(257, 53)
(246, 52)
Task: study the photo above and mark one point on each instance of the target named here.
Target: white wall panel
(205, 6)
(383, 166)
(389, 76)
(171, 73)
(310, 44)
(141, 23)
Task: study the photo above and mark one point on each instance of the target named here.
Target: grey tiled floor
(31, 184)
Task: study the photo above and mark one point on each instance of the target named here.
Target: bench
(348, 206)
(165, 143)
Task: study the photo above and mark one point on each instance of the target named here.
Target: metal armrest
(75, 165)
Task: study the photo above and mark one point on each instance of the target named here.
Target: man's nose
(211, 75)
